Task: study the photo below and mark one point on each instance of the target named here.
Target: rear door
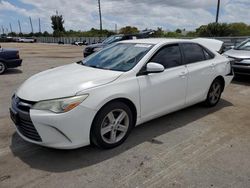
(200, 66)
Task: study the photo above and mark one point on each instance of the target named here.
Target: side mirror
(154, 68)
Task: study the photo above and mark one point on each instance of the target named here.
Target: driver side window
(169, 56)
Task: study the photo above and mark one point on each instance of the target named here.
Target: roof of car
(155, 40)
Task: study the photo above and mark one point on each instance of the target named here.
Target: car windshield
(112, 39)
(118, 57)
(244, 45)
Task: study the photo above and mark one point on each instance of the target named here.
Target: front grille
(22, 119)
(27, 129)
(88, 49)
(243, 64)
(21, 104)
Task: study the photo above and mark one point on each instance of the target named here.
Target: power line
(218, 11)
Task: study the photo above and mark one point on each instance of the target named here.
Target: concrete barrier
(69, 40)
(228, 41)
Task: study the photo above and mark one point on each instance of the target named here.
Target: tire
(2, 67)
(111, 126)
(214, 93)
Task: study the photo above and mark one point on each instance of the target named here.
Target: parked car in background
(90, 49)
(100, 99)
(9, 58)
(5, 38)
(241, 58)
(27, 40)
(79, 43)
(60, 42)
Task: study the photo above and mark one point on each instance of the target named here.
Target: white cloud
(169, 14)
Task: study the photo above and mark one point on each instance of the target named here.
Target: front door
(166, 91)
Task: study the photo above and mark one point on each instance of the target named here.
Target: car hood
(8, 50)
(64, 81)
(239, 54)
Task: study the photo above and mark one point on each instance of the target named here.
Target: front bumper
(13, 63)
(63, 131)
(241, 69)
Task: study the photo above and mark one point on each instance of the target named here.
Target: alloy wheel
(2, 67)
(114, 126)
(215, 92)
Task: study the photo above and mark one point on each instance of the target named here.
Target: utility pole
(116, 28)
(218, 11)
(11, 28)
(57, 21)
(31, 25)
(20, 29)
(100, 15)
(2, 30)
(39, 22)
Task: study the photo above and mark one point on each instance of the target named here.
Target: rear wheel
(111, 125)
(2, 67)
(214, 93)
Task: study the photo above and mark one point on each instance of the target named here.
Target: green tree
(158, 33)
(178, 30)
(239, 29)
(46, 34)
(57, 25)
(129, 30)
(214, 30)
(12, 34)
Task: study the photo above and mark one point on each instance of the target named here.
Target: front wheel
(214, 93)
(111, 125)
(2, 67)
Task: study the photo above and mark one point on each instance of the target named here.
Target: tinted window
(118, 56)
(207, 55)
(168, 56)
(193, 53)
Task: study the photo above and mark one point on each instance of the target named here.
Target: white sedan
(100, 99)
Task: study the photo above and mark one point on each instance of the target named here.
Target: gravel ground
(194, 147)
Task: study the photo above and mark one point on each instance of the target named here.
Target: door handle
(183, 74)
(212, 65)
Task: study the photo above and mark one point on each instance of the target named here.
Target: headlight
(60, 105)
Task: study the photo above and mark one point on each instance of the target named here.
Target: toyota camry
(100, 99)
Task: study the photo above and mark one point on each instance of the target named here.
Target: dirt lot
(195, 147)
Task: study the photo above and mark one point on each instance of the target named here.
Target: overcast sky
(83, 14)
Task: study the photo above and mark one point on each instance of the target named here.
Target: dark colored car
(90, 49)
(241, 58)
(9, 58)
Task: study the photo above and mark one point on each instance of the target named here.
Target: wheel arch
(222, 80)
(126, 101)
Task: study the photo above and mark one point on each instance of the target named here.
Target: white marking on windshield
(143, 45)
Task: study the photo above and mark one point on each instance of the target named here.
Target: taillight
(17, 55)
